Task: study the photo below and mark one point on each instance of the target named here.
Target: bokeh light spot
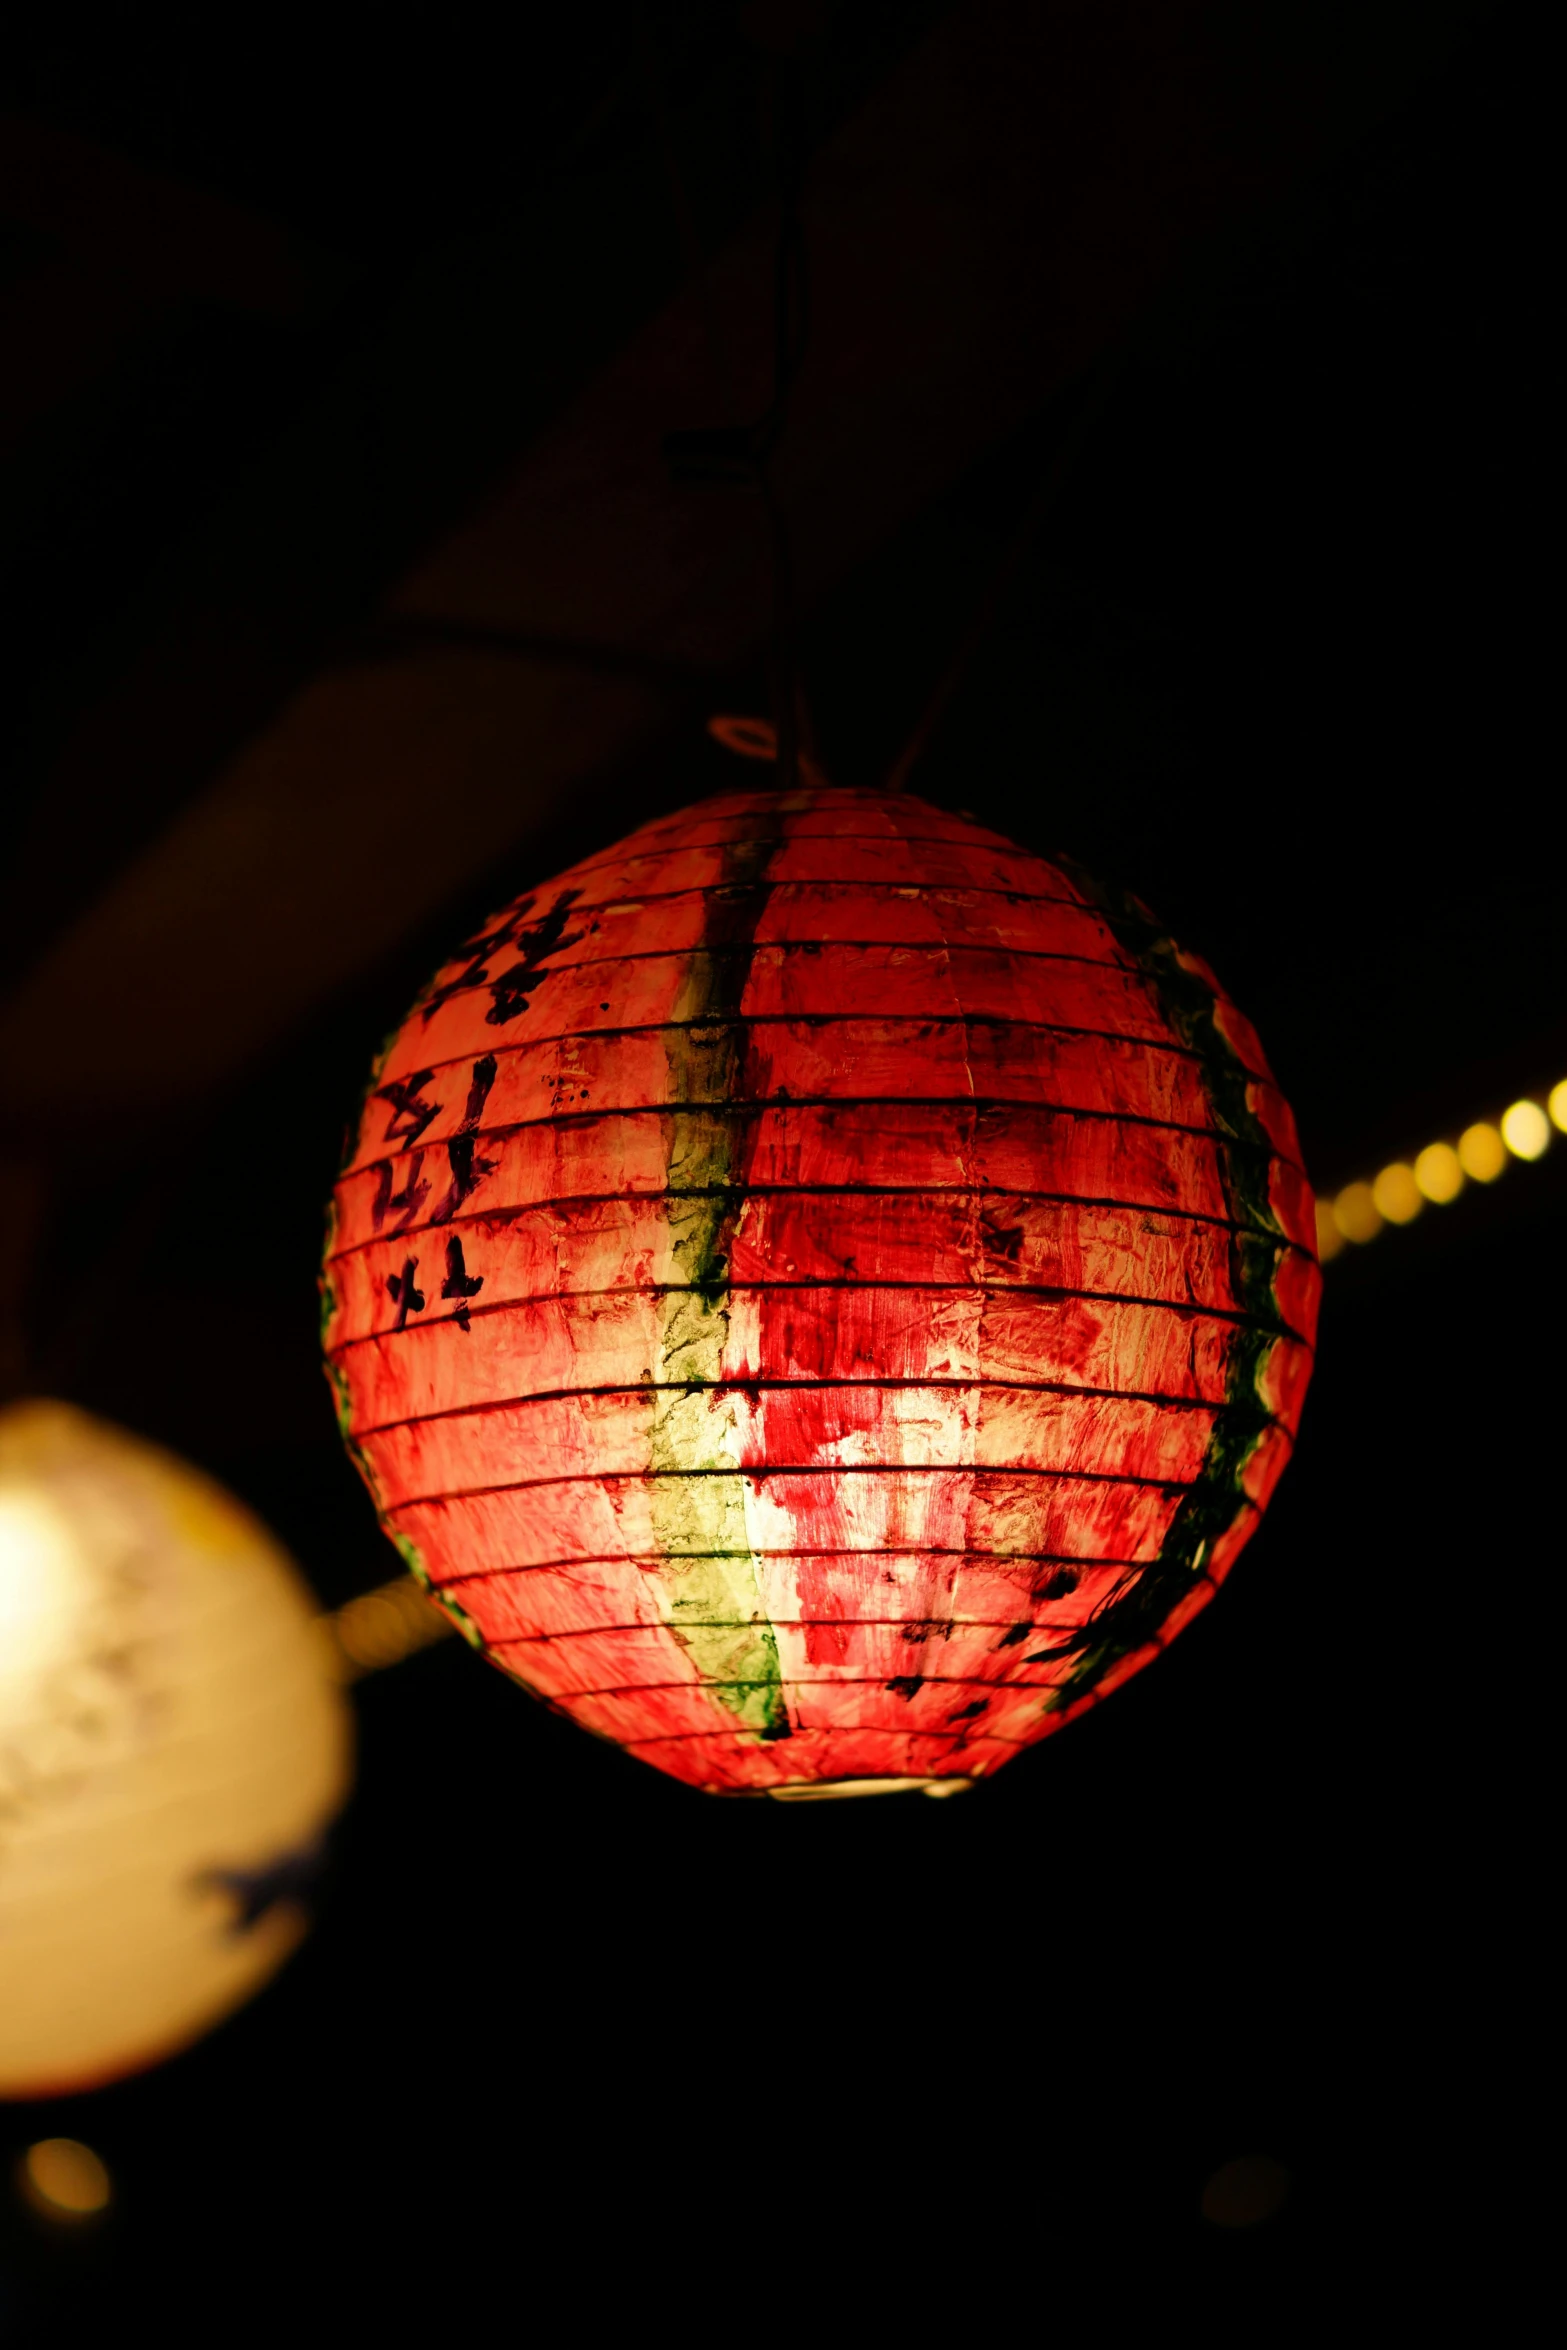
(1356, 1213)
(1526, 1130)
(1245, 2192)
(1439, 1173)
(1482, 1152)
(1557, 1105)
(65, 2179)
(1397, 1194)
(1330, 1240)
(380, 1628)
(371, 1631)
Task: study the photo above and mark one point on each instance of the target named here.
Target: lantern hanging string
(1003, 574)
(741, 454)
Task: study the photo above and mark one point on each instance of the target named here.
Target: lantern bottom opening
(821, 1790)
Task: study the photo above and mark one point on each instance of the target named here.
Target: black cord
(791, 324)
(1006, 568)
(740, 454)
(791, 286)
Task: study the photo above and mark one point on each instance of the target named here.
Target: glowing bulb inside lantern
(41, 1582)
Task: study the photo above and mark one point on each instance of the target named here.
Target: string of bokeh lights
(1435, 1176)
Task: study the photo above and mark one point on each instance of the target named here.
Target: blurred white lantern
(172, 1749)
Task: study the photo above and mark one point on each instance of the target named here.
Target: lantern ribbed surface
(823, 1293)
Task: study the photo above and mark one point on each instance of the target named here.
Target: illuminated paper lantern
(821, 1292)
(172, 1749)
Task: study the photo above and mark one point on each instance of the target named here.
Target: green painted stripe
(715, 1603)
(1256, 1246)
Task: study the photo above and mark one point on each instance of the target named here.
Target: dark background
(1276, 658)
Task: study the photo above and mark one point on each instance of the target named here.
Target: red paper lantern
(821, 1292)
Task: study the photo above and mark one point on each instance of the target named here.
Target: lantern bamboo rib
(747, 1108)
(915, 1021)
(949, 1738)
(817, 1101)
(758, 1477)
(427, 1627)
(747, 1386)
(838, 1284)
(800, 1680)
(743, 1382)
(1188, 1309)
(818, 1021)
(804, 948)
(1001, 1193)
(759, 1473)
(499, 1218)
(792, 1680)
(939, 954)
(781, 1623)
(874, 890)
(807, 947)
(958, 1287)
(778, 840)
(1007, 1558)
(654, 1425)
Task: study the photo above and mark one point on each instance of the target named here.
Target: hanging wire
(687, 231)
(741, 454)
(1004, 573)
(791, 325)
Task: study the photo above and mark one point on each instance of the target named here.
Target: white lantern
(172, 1749)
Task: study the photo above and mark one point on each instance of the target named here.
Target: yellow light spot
(1397, 1194)
(64, 2178)
(380, 1628)
(1557, 1105)
(1330, 1240)
(1438, 1173)
(1526, 1130)
(1356, 1213)
(371, 1631)
(41, 1580)
(1482, 1153)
